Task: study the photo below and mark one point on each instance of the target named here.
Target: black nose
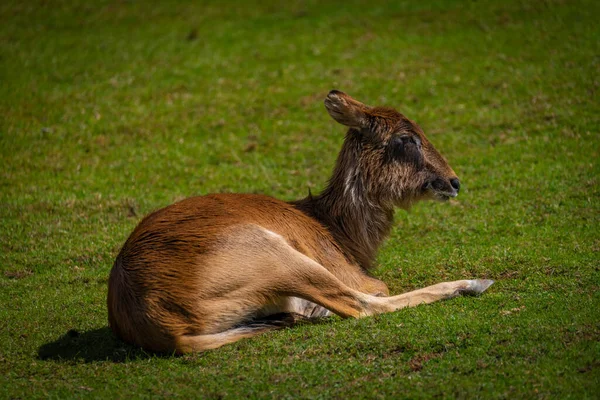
(455, 183)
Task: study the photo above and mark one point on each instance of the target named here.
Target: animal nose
(455, 183)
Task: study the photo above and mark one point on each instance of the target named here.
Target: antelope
(211, 270)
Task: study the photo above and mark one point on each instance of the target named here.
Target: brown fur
(211, 270)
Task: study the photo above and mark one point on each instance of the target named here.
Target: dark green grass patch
(112, 109)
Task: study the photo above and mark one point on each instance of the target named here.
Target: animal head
(386, 157)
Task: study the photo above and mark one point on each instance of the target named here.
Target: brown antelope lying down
(212, 270)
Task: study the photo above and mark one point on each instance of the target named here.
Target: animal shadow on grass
(91, 346)
(102, 345)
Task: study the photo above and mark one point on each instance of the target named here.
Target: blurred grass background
(111, 109)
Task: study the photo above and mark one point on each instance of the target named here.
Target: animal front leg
(440, 291)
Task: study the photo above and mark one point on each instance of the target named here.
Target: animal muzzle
(443, 189)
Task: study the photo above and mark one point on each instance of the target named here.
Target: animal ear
(345, 110)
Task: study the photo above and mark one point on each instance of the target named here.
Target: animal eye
(400, 143)
(405, 148)
(407, 139)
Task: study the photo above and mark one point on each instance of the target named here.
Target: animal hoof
(477, 286)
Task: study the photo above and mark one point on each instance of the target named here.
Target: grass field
(109, 110)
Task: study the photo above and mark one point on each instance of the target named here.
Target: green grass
(112, 109)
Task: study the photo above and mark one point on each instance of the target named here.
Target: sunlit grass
(110, 110)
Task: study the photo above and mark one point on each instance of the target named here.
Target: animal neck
(358, 224)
